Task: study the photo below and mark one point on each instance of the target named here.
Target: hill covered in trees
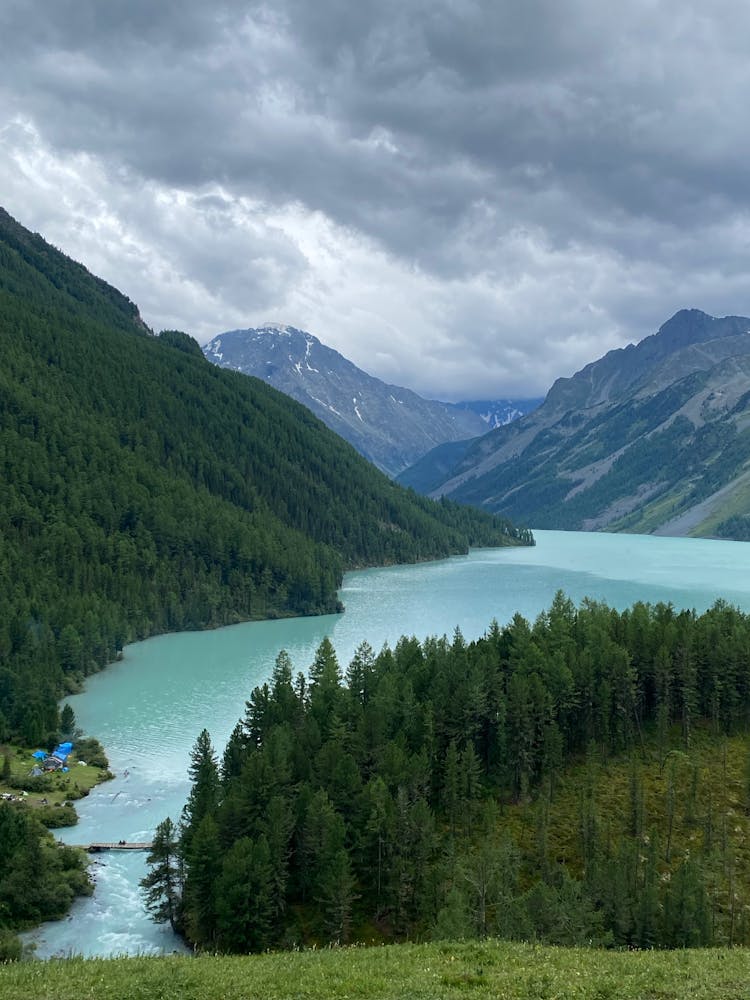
(142, 489)
(579, 780)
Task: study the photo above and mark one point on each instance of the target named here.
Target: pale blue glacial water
(148, 708)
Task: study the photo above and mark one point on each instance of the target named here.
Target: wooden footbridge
(120, 845)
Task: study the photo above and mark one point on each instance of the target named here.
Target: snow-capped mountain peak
(390, 425)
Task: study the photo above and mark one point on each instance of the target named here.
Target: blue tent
(39, 754)
(62, 751)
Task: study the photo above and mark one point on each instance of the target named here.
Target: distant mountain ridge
(499, 412)
(390, 425)
(653, 437)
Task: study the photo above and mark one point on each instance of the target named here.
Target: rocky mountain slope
(654, 437)
(388, 424)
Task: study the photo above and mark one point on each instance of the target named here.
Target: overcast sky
(465, 197)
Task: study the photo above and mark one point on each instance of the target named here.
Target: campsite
(51, 780)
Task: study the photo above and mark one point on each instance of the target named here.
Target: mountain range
(388, 424)
(653, 437)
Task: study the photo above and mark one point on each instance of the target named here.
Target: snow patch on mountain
(275, 328)
(393, 431)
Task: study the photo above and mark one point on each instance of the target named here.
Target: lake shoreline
(169, 687)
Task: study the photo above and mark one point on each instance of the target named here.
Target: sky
(469, 198)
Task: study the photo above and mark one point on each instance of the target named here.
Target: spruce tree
(245, 898)
(451, 792)
(203, 864)
(161, 886)
(67, 720)
(203, 799)
(376, 835)
(336, 893)
(453, 921)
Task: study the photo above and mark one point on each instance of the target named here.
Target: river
(148, 708)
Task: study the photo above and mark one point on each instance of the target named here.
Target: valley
(274, 509)
(374, 501)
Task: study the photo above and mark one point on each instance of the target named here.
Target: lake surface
(148, 709)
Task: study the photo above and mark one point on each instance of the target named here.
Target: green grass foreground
(394, 972)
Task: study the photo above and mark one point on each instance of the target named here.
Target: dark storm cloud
(577, 165)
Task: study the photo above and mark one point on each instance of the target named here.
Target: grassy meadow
(439, 971)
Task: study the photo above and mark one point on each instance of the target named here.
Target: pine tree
(245, 902)
(670, 812)
(377, 829)
(67, 720)
(325, 687)
(451, 794)
(470, 776)
(542, 831)
(204, 795)
(284, 707)
(686, 918)
(323, 836)
(635, 823)
(336, 895)
(161, 886)
(201, 883)
(277, 832)
(453, 920)
(233, 756)
(663, 684)
(325, 667)
(688, 682)
(359, 675)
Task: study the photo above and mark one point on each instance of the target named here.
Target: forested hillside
(144, 490)
(38, 878)
(582, 779)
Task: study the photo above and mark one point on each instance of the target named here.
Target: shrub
(91, 752)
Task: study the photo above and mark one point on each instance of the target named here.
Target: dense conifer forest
(582, 779)
(38, 879)
(143, 490)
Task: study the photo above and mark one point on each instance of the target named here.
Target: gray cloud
(491, 193)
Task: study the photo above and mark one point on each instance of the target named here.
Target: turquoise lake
(148, 708)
